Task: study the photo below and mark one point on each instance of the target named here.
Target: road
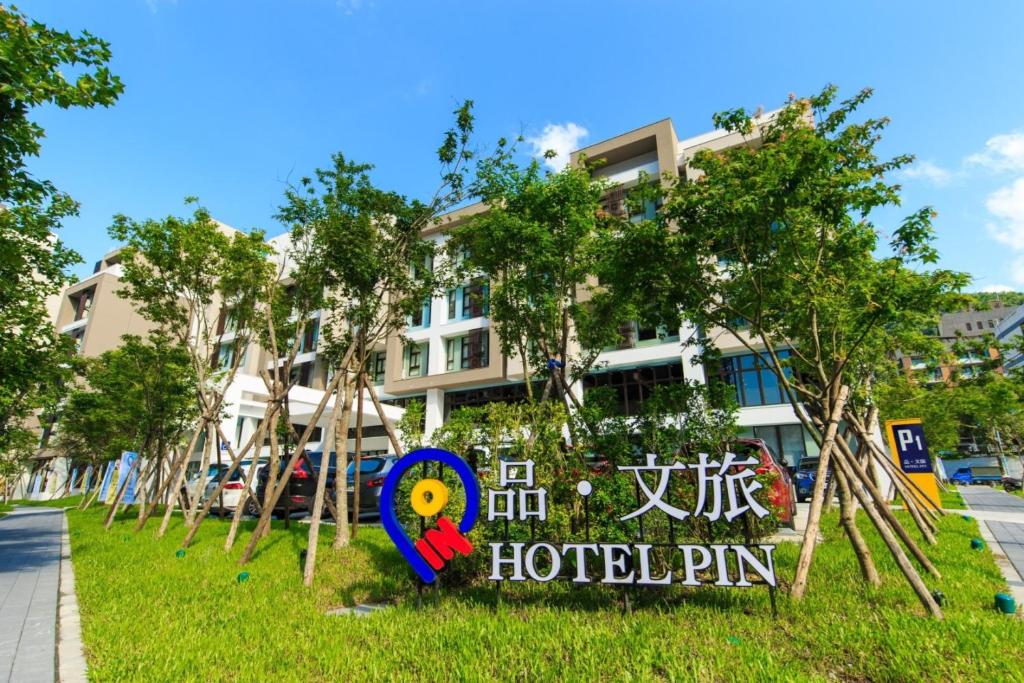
(1004, 514)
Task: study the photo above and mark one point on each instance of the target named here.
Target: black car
(301, 491)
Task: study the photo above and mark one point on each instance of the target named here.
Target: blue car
(804, 478)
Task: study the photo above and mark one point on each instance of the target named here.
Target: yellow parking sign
(910, 453)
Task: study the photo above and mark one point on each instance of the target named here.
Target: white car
(197, 483)
(233, 489)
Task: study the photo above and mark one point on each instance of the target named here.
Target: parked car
(989, 476)
(1011, 483)
(236, 483)
(298, 497)
(372, 471)
(301, 491)
(806, 473)
(197, 483)
(781, 494)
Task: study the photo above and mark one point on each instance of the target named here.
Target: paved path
(29, 578)
(1004, 514)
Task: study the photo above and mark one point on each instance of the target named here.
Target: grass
(951, 499)
(149, 615)
(69, 501)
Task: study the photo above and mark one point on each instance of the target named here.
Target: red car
(781, 494)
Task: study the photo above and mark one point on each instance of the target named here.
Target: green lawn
(951, 499)
(70, 501)
(149, 615)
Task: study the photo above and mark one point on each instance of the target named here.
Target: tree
(539, 247)
(33, 262)
(771, 241)
(189, 276)
(138, 397)
(368, 253)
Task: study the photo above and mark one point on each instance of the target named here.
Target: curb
(1010, 574)
(71, 667)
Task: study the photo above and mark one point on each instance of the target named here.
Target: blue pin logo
(429, 497)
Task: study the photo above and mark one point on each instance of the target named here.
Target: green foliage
(676, 423)
(363, 247)
(842, 630)
(183, 273)
(411, 424)
(983, 300)
(774, 239)
(33, 262)
(539, 246)
(138, 397)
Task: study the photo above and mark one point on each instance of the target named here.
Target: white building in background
(1010, 332)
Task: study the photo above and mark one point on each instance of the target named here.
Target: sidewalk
(1003, 514)
(30, 552)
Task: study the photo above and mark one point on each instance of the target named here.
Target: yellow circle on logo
(438, 497)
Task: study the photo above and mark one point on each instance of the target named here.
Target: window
(421, 318)
(467, 352)
(83, 303)
(414, 360)
(468, 301)
(635, 386)
(968, 327)
(991, 324)
(375, 367)
(756, 384)
(226, 356)
(310, 336)
(302, 374)
(631, 336)
(791, 443)
(647, 213)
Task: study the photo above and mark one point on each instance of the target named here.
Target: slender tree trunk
(179, 478)
(341, 531)
(120, 493)
(848, 518)
(389, 427)
(268, 507)
(321, 489)
(890, 541)
(236, 460)
(163, 492)
(885, 513)
(803, 565)
(247, 490)
(274, 465)
(357, 475)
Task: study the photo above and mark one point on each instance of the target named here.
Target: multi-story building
(1010, 333)
(449, 354)
(973, 322)
(452, 357)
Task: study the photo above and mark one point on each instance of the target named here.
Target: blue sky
(230, 100)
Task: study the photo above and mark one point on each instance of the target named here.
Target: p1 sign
(910, 452)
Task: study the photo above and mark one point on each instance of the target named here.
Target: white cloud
(154, 5)
(351, 6)
(1007, 205)
(928, 171)
(560, 138)
(1002, 153)
(996, 289)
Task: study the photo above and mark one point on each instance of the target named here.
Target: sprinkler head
(180, 553)
(977, 544)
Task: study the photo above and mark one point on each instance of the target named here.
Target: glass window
(375, 366)
(415, 360)
(421, 318)
(467, 352)
(755, 383)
